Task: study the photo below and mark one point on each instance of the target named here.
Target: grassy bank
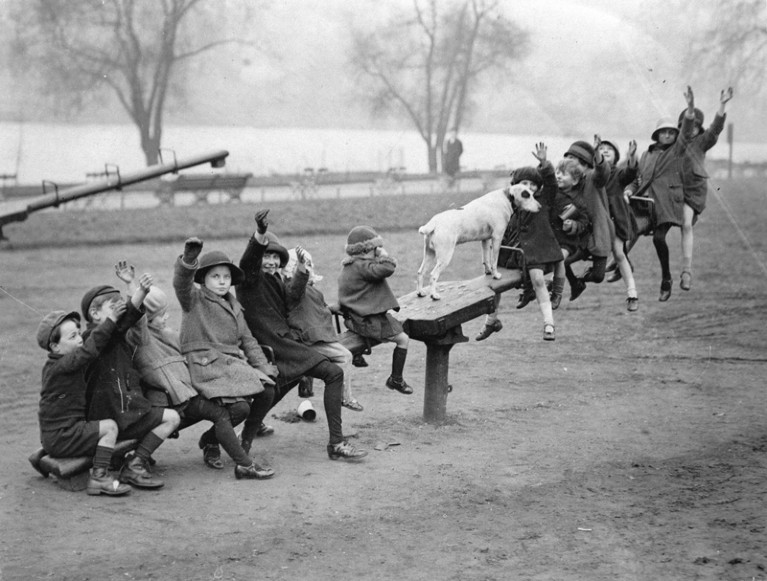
(87, 227)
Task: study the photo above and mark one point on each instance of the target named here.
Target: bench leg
(435, 387)
(74, 483)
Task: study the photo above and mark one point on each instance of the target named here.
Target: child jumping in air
(64, 429)
(365, 296)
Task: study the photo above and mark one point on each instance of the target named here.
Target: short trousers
(79, 439)
(145, 424)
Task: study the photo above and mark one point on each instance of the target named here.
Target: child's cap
(583, 151)
(96, 291)
(217, 258)
(274, 245)
(699, 117)
(665, 123)
(615, 149)
(50, 322)
(362, 239)
(528, 173)
(155, 303)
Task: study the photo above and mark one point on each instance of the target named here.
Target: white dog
(484, 219)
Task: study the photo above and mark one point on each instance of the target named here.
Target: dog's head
(522, 198)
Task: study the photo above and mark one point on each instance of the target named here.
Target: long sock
(147, 445)
(661, 248)
(398, 363)
(548, 315)
(557, 287)
(102, 457)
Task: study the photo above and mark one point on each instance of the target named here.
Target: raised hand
(597, 141)
(192, 249)
(125, 272)
(540, 152)
(725, 95)
(145, 281)
(632, 150)
(261, 221)
(690, 98)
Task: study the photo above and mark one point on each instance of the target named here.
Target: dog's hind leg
(442, 261)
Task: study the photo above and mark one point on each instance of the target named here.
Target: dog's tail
(427, 229)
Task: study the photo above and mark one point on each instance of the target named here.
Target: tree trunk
(433, 158)
(150, 145)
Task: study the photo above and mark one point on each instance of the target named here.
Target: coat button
(204, 360)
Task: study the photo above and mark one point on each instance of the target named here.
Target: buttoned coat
(264, 299)
(599, 242)
(224, 358)
(694, 174)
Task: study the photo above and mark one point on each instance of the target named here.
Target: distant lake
(66, 153)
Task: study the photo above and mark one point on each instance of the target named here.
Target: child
(598, 241)
(64, 430)
(163, 368)
(569, 219)
(535, 237)
(365, 295)
(114, 388)
(264, 296)
(226, 363)
(695, 177)
(661, 178)
(620, 212)
(310, 317)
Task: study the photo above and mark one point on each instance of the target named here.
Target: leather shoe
(549, 333)
(665, 291)
(359, 361)
(615, 276)
(345, 451)
(686, 283)
(488, 330)
(525, 298)
(577, 290)
(252, 472)
(632, 304)
(399, 385)
(211, 455)
(264, 430)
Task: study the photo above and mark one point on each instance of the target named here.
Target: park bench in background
(203, 184)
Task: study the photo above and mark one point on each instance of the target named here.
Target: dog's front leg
(487, 258)
(495, 251)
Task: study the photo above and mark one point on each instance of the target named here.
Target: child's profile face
(667, 136)
(219, 280)
(70, 338)
(608, 153)
(565, 180)
(270, 263)
(532, 186)
(159, 321)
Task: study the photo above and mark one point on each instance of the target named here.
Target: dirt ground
(634, 447)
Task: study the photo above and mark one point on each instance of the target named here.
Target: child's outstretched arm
(144, 284)
(724, 97)
(183, 273)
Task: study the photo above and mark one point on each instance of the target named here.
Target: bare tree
(424, 65)
(732, 42)
(132, 48)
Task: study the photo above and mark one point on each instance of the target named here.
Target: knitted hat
(362, 239)
(528, 173)
(615, 149)
(50, 322)
(665, 123)
(96, 291)
(699, 117)
(582, 151)
(155, 303)
(217, 258)
(274, 245)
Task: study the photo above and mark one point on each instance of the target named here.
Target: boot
(252, 472)
(135, 472)
(345, 451)
(665, 290)
(102, 482)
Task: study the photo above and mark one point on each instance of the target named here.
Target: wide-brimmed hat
(217, 258)
(665, 123)
(50, 322)
(96, 291)
(274, 245)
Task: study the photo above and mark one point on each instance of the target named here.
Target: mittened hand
(261, 222)
(192, 249)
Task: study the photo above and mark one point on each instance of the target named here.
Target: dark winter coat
(531, 231)
(562, 202)
(62, 397)
(600, 239)
(264, 299)
(308, 314)
(114, 386)
(620, 211)
(694, 174)
(660, 177)
(213, 336)
(362, 286)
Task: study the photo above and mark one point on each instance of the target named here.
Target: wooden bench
(73, 473)
(231, 184)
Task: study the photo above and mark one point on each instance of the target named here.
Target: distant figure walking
(452, 150)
